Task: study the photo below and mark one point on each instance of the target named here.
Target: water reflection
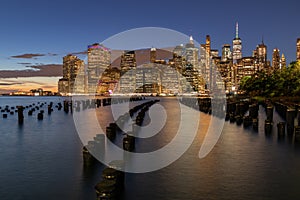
(44, 158)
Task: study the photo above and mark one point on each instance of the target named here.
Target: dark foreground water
(43, 160)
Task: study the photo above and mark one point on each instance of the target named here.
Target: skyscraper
(261, 56)
(276, 59)
(192, 54)
(207, 54)
(237, 45)
(98, 61)
(152, 55)
(282, 62)
(226, 52)
(72, 66)
(148, 79)
(128, 72)
(298, 49)
(207, 69)
(179, 50)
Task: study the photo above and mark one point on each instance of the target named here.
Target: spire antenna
(237, 30)
(191, 40)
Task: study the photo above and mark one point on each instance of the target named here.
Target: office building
(98, 61)
(283, 62)
(261, 57)
(72, 68)
(236, 46)
(128, 73)
(192, 54)
(226, 53)
(298, 49)
(276, 64)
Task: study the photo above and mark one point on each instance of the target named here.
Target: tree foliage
(284, 82)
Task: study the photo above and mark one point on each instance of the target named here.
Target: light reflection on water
(43, 159)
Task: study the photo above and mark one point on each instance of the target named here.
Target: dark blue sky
(62, 26)
(65, 26)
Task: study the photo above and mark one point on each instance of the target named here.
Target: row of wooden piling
(83, 104)
(112, 182)
(31, 109)
(290, 113)
(236, 110)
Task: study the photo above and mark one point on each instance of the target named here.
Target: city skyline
(35, 39)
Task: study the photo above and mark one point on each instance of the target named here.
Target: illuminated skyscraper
(282, 62)
(214, 53)
(276, 59)
(98, 61)
(192, 54)
(226, 52)
(152, 55)
(298, 49)
(207, 55)
(148, 78)
(237, 45)
(179, 50)
(72, 66)
(208, 64)
(128, 73)
(261, 56)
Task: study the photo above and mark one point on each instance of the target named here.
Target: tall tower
(261, 56)
(192, 54)
(128, 72)
(237, 45)
(98, 61)
(276, 59)
(207, 59)
(283, 62)
(152, 55)
(72, 66)
(298, 49)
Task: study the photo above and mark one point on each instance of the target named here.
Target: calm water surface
(43, 160)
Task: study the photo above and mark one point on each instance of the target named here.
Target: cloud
(8, 84)
(80, 53)
(28, 55)
(24, 63)
(48, 70)
(52, 54)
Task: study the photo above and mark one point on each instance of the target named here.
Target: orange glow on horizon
(26, 84)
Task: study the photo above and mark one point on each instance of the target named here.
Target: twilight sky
(36, 34)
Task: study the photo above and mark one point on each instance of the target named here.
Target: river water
(43, 160)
